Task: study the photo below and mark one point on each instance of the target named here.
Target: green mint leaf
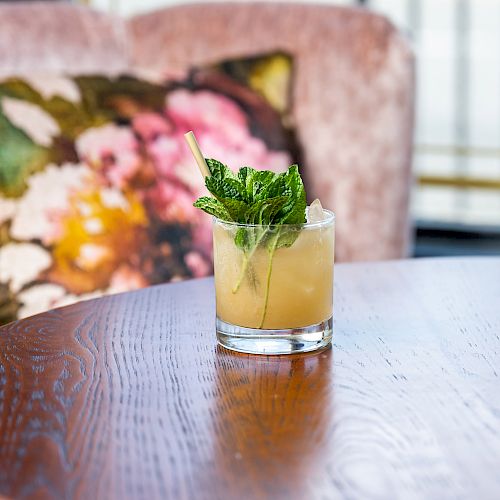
(256, 183)
(237, 209)
(245, 176)
(237, 187)
(246, 173)
(241, 238)
(287, 236)
(294, 211)
(260, 213)
(218, 170)
(225, 188)
(213, 207)
(261, 183)
(264, 211)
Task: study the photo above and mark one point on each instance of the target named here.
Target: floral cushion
(97, 184)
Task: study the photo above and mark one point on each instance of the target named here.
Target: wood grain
(128, 396)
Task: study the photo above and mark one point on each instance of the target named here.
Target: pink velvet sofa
(353, 96)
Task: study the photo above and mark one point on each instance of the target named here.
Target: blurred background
(456, 203)
(97, 184)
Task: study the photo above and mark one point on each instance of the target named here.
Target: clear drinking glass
(274, 286)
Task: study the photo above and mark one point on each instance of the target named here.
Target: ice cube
(315, 212)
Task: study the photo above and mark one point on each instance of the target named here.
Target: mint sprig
(254, 196)
(262, 198)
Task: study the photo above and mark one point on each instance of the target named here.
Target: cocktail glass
(274, 285)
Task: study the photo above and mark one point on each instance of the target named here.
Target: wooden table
(128, 396)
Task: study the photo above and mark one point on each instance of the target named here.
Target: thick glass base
(287, 341)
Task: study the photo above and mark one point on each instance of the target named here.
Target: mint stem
(246, 261)
(243, 271)
(272, 249)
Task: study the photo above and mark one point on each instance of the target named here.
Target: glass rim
(306, 225)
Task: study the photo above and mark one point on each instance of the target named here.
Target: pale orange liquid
(301, 282)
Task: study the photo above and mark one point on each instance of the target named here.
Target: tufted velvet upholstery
(42, 37)
(353, 95)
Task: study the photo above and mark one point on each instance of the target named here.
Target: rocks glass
(274, 285)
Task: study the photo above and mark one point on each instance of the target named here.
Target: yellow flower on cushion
(271, 78)
(102, 230)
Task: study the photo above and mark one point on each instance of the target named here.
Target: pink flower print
(151, 126)
(198, 266)
(202, 234)
(204, 110)
(172, 203)
(166, 152)
(252, 151)
(126, 278)
(222, 130)
(188, 174)
(278, 161)
(112, 151)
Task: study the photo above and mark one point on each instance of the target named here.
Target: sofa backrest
(353, 100)
(46, 37)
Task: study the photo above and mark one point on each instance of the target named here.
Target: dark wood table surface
(129, 396)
